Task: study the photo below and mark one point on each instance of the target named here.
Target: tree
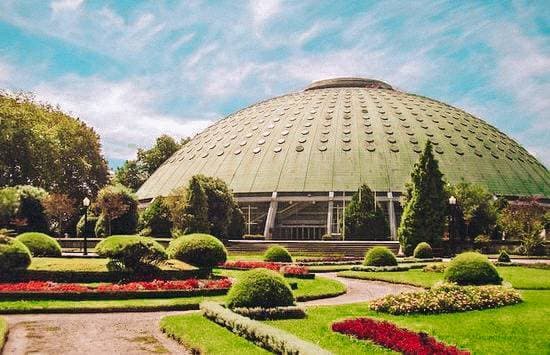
(365, 220)
(46, 148)
(424, 214)
(524, 220)
(31, 216)
(60, 209)
(133, 173)
(113, 202)
(156, 219)
(196, 211)
(177, 204)
(9, 204)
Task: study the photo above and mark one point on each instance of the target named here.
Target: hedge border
(258, 313)
(110, 295)
(418, 260)
(309, 276)
(387, 268)
(262, 334)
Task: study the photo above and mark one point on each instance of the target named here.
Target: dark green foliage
(40, 244)
(236, 227)
(133, 253)
(196, 211)
(260, 288)
(90, 227)
(156, 220)
(503, 257)
(14, 255)
(201, 250)
(423, 251)
(30, 214)
(472, 268)
(44, 147)
(277, 254)
(424, 215)
(9, 203)
(260, 313)
(364, 220)
(126, 223)
(379, 256)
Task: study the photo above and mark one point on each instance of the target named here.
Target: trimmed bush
(260, 288)
(379, 256)
(14, 255)
(472, 268)
(40, 244)
(259, 313)
(89, 229)
(131, 253)
(277, 254)
(423, 251)
(200, 250)
(503, 257)
(253, 237)
(262, 334)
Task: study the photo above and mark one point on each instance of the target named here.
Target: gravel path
(138, 333)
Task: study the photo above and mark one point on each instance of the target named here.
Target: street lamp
(86, 204)
(452, 203)
(452, 200)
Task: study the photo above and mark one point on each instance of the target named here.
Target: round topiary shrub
(472, 268)
(423, 251)
(380, 256)
(260, 288)
(277, 254)
(14, 255)
(40, 244)
(134, 253)
(201, 250)
(503, 257)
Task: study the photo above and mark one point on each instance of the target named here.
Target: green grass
(3, 332)
(329, 268)
(198, 333)
(518, 329)
(519, 277)
(91, 264)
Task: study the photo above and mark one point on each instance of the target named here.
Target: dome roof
(339, 133)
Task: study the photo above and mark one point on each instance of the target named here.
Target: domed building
(294, 161)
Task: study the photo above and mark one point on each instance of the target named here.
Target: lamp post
(86, 204)
(452, 203)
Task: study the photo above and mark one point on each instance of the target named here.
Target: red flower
(398, 339)
(282, 268)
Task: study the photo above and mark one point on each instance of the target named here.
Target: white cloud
(65, 5)
(263, 10)
(6, 71)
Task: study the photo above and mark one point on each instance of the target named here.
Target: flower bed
(152, 289)
(289, 270)
(391, 336)
(447, 298)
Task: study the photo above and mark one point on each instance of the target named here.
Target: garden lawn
(518, 329)
(203, 336)
(3, 332)
(519, 277)
(91, 264)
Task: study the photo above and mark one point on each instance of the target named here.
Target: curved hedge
(201, 250)
(472, 268)
(277, 254)
(135, 253)
(379, 256)
(14, 255)
(423, 251)
(40, 244)
(260, 288)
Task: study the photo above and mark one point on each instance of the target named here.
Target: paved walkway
(137, 333)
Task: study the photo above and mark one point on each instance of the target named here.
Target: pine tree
(364, 220)
(424, 215)
(197, 208)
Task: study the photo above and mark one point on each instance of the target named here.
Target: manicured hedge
(423, 251)
(259, 313)
(260, 288)
(277, 254)
(200, 250)
(379, 256)
(262, 334)
(40, 244)
(387, 268)
(135, 253)
(472, 268)
(14, 256)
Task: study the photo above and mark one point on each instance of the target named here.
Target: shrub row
(259, 313)
(266, 336)
(415, 260)
(447, 298)
(391, 336)
(386, 268)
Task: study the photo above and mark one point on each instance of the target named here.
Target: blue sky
(135, 70)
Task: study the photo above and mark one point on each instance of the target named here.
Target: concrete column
(393, 222)
(329, 214)
(271, 214)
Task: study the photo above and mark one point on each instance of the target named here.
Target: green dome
(339, 133)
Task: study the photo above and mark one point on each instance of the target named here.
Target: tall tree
(60, 209)
(197, 208)
(116, 202)
(365, 220)
(424, 215)
(44, 147)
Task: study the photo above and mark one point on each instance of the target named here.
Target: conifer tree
(424, 215)
(197, 208)
(365, 220)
